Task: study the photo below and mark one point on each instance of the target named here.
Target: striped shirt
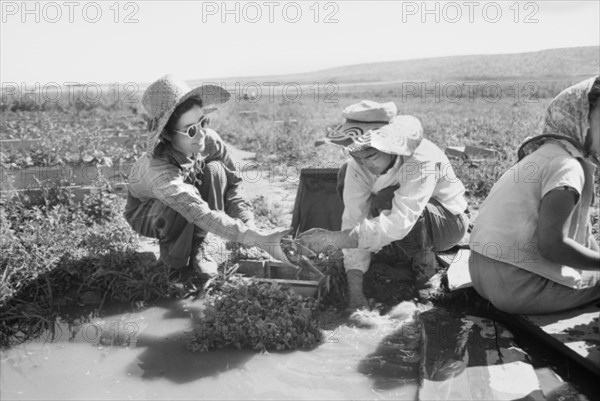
(172, 178)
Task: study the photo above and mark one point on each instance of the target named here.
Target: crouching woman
(532, 248)
(186, 185)
(401, 197)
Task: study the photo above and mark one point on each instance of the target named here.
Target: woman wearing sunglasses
(186, 185)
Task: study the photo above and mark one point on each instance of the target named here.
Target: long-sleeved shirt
(424, 175)
(171, 176)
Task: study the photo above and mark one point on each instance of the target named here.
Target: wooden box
(304, 282)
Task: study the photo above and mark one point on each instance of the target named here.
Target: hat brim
(352, 135)
(208, 94)
(400, 137)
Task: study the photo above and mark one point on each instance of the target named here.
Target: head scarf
(567, 120)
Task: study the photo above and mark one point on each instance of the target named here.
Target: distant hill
(546, 64)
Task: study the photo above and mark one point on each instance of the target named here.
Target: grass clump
(61, 253)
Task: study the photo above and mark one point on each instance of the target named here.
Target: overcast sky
(92, 42)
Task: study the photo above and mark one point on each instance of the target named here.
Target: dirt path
(265, 179)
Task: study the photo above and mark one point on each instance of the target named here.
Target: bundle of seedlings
(334, 285)
(263, 316)
(244, 252)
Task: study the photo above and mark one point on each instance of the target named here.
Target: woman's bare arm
(554, 243)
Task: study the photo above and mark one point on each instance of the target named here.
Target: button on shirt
(170, 178)
(426, 174)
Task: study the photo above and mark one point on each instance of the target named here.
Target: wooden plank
(455, 151)
(574, 333)
(466, 357)
(125, 138)
(83, 175)
(458, 270)
(14, 144)
(471, 152)
(474, 152)
(36, 195)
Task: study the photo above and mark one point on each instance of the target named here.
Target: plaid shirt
(172, 177)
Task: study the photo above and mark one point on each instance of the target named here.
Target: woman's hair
(167, 133)
(594, 95)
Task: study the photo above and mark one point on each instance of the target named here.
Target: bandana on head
(567, 120)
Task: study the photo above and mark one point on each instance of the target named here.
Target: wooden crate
(303, 283)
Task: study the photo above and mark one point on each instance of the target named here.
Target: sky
(44, 42)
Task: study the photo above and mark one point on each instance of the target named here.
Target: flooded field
(143, 355)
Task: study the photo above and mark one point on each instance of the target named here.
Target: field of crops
(59, 251)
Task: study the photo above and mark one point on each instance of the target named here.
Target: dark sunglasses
(194, 129)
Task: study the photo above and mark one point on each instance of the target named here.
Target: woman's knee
(446, 229)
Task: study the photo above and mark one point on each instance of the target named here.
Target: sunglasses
(193, 130)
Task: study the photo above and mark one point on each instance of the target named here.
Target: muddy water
(142, 355)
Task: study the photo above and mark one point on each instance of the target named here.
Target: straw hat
(371, 124)
(163, 96)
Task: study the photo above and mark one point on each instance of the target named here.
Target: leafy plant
(262, 316)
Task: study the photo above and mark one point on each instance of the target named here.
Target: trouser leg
(156, 220)
(436, 229)
(178, 238)
(212, 190)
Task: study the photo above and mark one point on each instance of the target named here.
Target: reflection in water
(143, 355)
(165, 357)
(395, 361)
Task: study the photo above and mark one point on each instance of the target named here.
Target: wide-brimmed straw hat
(377, 125)
(162, 97)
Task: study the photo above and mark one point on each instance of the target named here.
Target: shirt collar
(178, 158)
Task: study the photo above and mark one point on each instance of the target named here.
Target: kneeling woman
(186, 185)
(401, 197)
(532, 248)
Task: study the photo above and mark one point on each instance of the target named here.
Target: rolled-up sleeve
(417, 184)
(357, 198)
(167, 185)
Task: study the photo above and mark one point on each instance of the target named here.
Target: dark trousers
(176, 236)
